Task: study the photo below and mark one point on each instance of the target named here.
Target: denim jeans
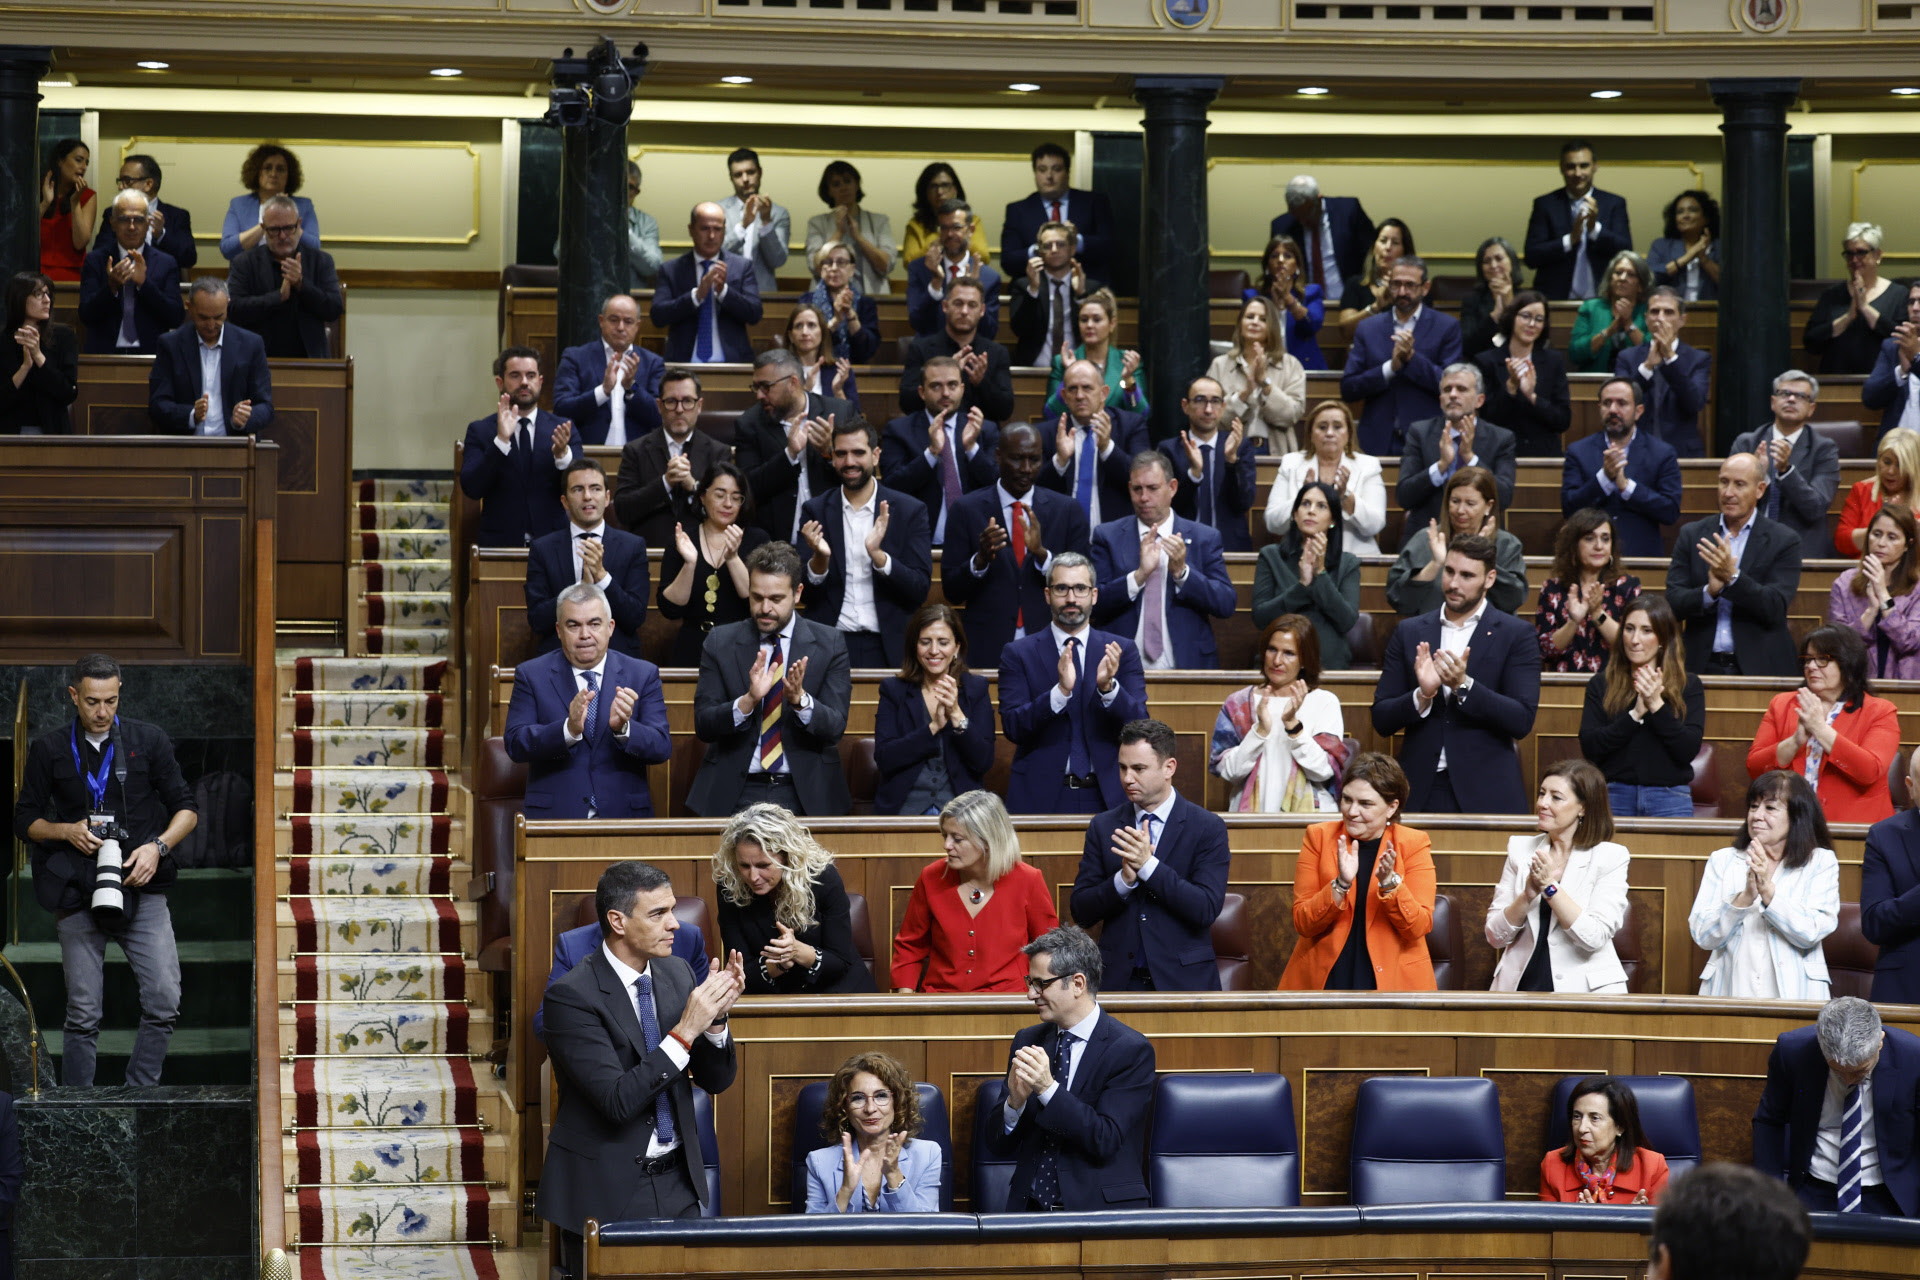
(147, 942)
(1650, 802)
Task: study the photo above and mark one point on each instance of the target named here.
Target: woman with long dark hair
(1585, 592)
(1687, 254)
(1645, 715)
(703, 575)
(1300, 306)
(1282, 742)
(933, 731)
(1570, 869)
(1831, 730)
(1527, 390)
(68, 211)
(1497, 268)
(1606, 1159)
(937, 184)
(1877, 598)
(1309, 573)
(39, 361)
(824, 370)
(1366, 293)
(1766, 901)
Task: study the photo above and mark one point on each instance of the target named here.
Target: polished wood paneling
(142, 546)
(313, 427)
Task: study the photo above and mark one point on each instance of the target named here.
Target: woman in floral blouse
(1581, 603)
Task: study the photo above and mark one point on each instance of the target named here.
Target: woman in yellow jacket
(1369, 871)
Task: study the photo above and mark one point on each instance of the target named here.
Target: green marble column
(1754, 342)
(21, 67)
(1173, 241)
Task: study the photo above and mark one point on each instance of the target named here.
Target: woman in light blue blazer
(1765, 904)
(269, 170)
(880, 1165)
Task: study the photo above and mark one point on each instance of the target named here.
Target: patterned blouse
(1588, 652)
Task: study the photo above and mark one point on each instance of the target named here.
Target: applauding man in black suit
(587, 550)
(872, 557)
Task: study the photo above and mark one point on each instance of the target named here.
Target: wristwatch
(1549, 891)
(162, 845)
(1391, 883)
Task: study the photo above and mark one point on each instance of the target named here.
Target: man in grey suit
(626, 1028)
(1803, 466)
(1438, 447)
(757, 228)
(771, 703)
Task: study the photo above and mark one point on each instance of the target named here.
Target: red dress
(970, 953)
(1559, 1182)
(59, 260)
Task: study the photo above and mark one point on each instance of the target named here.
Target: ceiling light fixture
(151, 66)
(1024, 87)
(1315, 91)
(1605, 93)
(736, 79)
(444, 72)
(1906, 91)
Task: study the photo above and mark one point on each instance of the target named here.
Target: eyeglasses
(1818, 661)
(1075, 591)
(283, 229)
(879, 1098)
(1858, 253)
(1206, 402)
(679, 402)
(124, 183)
(762, 388)
(1036, 985)
(1800, 397)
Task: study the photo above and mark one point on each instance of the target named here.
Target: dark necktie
(1077, 744)
(950, 468)
(1057, 330)
(1853, 1123)
(128, 331)
(1316, 272)
(703, 341)
(593, 702)
(650, 1032)
(523, 440)
(1205, 496)
(1046, 1169)
(582, 537)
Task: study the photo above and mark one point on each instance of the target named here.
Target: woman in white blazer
(1569, 880)
(1765, 904)
(1330, 457)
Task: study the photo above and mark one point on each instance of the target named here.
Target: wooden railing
(266, 933)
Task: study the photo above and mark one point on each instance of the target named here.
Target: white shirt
(1057, 697)
(1824, 1163)
(1161, 812)
(1083, 432)
(675, 1051)
(803, 490)
(1386, 366)
(1455, 637)
(1055, 291)
(803, 713)
(1910, 416)
(1077, 1036)
(599, 531)
(1166, 660)
(617, 428)
(1720, 606)
(599, 670)
(215, 423)
(525, 428)
(1606, 481)
(858, 611)
(951, 269)
(1007, 520)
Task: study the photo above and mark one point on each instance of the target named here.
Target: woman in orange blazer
(1365, 863)
(1606, 1159)
(1855, 734)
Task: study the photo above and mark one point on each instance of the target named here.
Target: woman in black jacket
(784, 908)
(1645, 716)
(933, 732)
(1527, 391)
(39, 361)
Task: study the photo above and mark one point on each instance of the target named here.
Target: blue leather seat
(1667, 1117)
(1223, 1141)
(991, 1176)
(1422, 1141)
(806, 1137)
(709, 1150)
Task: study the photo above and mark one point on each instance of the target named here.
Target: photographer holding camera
(100, 786)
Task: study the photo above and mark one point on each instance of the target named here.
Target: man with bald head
(707, 297)
(1093, 446)
(1732, 579)
(129, 290)
(610, 388)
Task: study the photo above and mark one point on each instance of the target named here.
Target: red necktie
(1315, 273)
(1054, 216)
(1019, 533)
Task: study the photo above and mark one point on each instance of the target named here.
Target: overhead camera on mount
(598, 87)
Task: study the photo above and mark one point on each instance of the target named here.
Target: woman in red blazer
(972, 910)
(1897, 470)
(1606, 1159)
(1363, 866)
(1854, 734)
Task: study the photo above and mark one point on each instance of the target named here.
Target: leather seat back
(1422, 1141)
(934, 1128)
(1446, 946)
(990, 1176)
(1850, 957)
(1668, 1118)
(499, 790)
(1232, 943)
(1223, 1141)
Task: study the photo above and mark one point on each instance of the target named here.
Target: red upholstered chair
(856, 762)
(1850, 957)
(1446, 945)
(1232, 943)
(499, 787)
(1706, 783)
(862, 924)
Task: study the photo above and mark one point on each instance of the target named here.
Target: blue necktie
(1076, 720)
(1853, 1121)
(1045, 1189)
(703, 344)
(1089, 455)
(129, 332)
(650, 1032)
(593, 702)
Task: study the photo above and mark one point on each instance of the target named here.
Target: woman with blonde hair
(1329, 454)
(873, 1161)
(784, 908)
(1265, 385)
(1615, 319)
(1852, 318)
(1094, 319)
(1896, 472)
(1877, 598)
(974, 909)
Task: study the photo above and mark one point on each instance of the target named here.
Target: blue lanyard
(96, 782)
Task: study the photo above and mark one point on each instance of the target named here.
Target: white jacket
(1806, 908)
(1369, 499)
(1582, 956)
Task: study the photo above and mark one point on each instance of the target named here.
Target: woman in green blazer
(1094, 318)
(1308, 573)
(1616, 320)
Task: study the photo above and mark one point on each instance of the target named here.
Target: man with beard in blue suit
(1162, 579)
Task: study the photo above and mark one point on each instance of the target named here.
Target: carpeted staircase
(398, 1151)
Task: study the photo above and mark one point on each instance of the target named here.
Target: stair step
(379, 1084)
(415, 674)
(336, 1155)
(408, 609)
(369, 835)
(323, 935)
(502, 1214)
(406, 515)
(400, 575)
(403, 489)
(208, 904)
(376, 642)
(195, 1055)
(383, 1030)
(362, 749)
(375, 710)
(385, 978)
(401, 544)
(386, 792)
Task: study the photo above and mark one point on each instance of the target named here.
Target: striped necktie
(1853, 1121)
(650, 1031)
(770, 708)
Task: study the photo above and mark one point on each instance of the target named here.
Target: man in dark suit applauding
(1214, 463)
(1153, 874)
(1837, 1117)
(994, 564)
(169, 226)
(587, 550)
(1093, 446)
(1890, 900)
(586, 721)
(1632, 475)
(1732, 578)
(707, 297)
(1438, 447)
(983, 363)
(1462, 683)
(284, 288)
(943, 450)
(210, 378)
(1672, 376)
(784, 444)
(661, 471)
(1162, 579)
(1064, 694)
(1395, 361)
(129, 290)
(872, 556)
(572, 948)
(950, 258)
(513, 463)
(630, 1032)
(1088, 212)
(610, 389)
(772, 702)
(1574, 232)
(1079, 1086)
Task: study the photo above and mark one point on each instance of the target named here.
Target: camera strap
(96, 782)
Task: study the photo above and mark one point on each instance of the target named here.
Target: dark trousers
(865, 650)
(659, 1195)
(769, 788)
(1079, 800)
(1440, 797)
(1824, 1197)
